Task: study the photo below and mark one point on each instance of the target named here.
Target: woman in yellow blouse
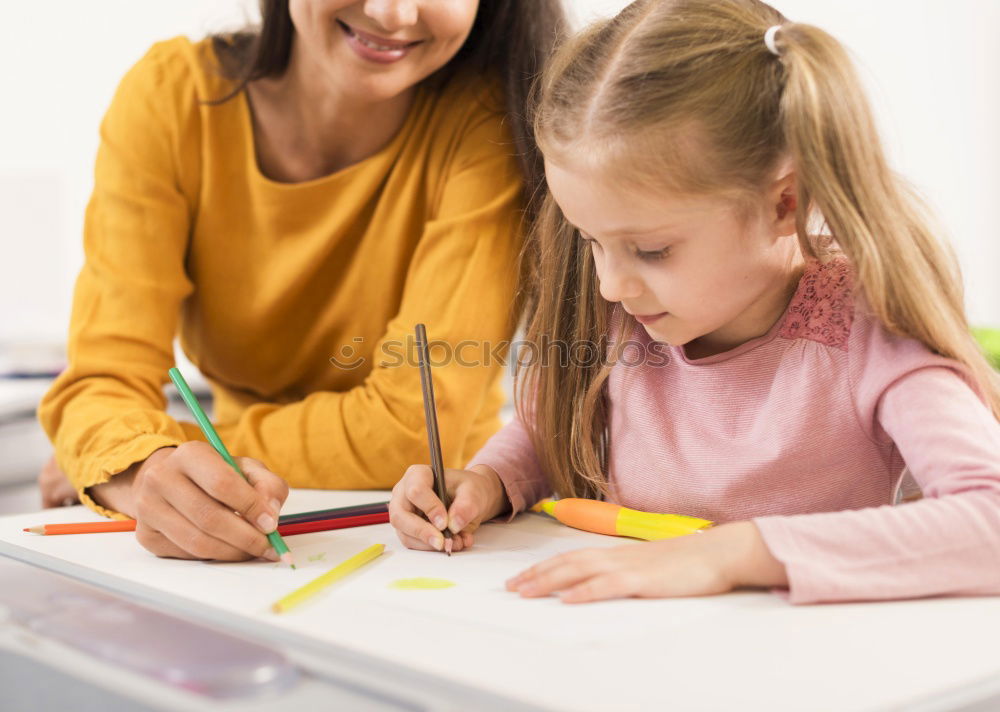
(290, 202)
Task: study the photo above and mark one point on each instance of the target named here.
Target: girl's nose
(393, 15)
(617, 283)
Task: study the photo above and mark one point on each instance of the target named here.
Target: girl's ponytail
(909, 279)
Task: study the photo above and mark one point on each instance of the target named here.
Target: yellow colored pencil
(335, 574)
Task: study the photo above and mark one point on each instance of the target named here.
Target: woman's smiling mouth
(375, 48)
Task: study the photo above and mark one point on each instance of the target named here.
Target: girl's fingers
(466, 537)
(415, 532)
(457, 543)
(414, 495)
(598, 588)
(412, 543)
(215, 520)
(532, 572)
(418, 488)
(398, 501)
(559, 572)
(416, 527)
(466, 507)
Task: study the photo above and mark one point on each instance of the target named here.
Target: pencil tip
(447, 546)
(287, 558)
(35, 530)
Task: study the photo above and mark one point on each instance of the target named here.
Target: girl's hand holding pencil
(184, 501)
(476, 496)
(454, 501)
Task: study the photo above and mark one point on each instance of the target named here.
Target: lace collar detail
(822, 309)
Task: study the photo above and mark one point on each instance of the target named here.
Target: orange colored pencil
(118, 525)
(287, 529)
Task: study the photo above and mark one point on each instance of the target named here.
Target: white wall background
(932, 68)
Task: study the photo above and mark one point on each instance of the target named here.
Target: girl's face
(377, 49)
(690, 269)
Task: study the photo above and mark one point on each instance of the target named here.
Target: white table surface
(752, 651)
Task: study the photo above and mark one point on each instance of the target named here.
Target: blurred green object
(989, 339)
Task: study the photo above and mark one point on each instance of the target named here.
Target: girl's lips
(648, 319)
(374, 48)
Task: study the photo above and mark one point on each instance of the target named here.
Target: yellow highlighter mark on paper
(421, 584)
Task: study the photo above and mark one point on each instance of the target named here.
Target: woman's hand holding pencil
(476, 496)
(185, 501)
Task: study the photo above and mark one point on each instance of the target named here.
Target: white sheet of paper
(619, 655)
(478, 597)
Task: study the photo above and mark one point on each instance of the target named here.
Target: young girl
(721, 207)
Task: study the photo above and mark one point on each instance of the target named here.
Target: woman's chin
(377, 88)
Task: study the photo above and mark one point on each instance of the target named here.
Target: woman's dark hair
(511, 39)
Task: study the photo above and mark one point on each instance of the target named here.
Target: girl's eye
(653, 255)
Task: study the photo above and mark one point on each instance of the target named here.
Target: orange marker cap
(587, 514)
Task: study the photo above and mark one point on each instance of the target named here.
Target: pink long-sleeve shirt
(807, 430)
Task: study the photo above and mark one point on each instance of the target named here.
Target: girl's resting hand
(715, 561)
(477, 495)
(189, 504)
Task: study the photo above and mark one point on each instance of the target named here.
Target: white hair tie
(769, 39)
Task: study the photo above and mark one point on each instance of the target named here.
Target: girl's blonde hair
(686, 95)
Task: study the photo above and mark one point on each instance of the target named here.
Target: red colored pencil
(128, 525)
(352, 511)
(327, 524)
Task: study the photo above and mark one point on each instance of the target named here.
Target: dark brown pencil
(321, 514)
(430, 416)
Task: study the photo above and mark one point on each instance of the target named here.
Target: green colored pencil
(213, 437)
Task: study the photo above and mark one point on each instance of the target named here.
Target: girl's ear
(785, 199)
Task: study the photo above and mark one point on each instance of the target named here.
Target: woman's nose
(393, 15)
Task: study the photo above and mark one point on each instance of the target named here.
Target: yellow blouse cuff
(132, 451)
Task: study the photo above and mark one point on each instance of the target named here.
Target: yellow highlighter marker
(615, 520)
(335, 574)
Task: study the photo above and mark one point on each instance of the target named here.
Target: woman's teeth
(380, 48)
(373, 45)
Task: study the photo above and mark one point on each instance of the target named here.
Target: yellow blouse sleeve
(460, 283)
(107, 410)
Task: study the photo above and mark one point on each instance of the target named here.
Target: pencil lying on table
(322, 525)
(319, 514)
(333, 575)
(116, 525)
(285, 528)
